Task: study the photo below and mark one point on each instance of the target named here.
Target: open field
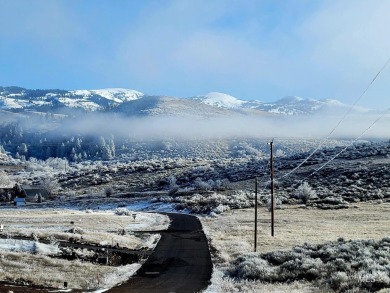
(94, 227)
(103, 228)
(232, 234)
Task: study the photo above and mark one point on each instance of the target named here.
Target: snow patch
(220, 100)
(117, 95)
(28, 246)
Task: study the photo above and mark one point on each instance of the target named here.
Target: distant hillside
(134, 103)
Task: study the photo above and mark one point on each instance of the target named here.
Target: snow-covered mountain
(88, 100)
(134, 103)
(290, 105)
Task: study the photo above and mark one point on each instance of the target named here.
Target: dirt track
(181, 261)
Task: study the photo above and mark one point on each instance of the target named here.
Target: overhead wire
(346, 147)
(339, 123)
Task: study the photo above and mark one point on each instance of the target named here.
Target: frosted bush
(341, 265)
(109, 191)
(76, 230)
(201, 185)
(215, 203)
(374, 279)
(305, 193)
(122, 212)
(338, 280)
(221, 208)
(250, 266)
(278, 203)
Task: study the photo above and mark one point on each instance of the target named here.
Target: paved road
(181, 261)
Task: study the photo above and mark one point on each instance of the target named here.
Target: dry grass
(232, 234)
(222, 284)
(97, 227)
(295, 226)
(43, 270)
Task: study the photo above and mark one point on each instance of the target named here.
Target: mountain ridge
(134, 103)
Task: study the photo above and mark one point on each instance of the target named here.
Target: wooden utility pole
(272, 189)
(255, 214)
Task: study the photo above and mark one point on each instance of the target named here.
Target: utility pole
(255, 214)
(272, 189)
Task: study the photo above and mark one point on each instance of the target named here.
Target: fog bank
(228, 127)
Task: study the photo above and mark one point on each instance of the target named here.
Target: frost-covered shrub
(201, 185)
(172, 185)
(250, 266)
(268, 202)
(340, 266)
(122, 212)
(109, 191)
(305, 193)
(339, 281)
(75, 230)
(374, 280)
(215, 203)
(333, 200)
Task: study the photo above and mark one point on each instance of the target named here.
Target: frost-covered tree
(22, 149)
(106, 148)
(4, 180)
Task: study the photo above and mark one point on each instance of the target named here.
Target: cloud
(347, 43)
(329, 51)
(250, 49)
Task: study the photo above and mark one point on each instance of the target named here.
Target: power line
(346, 147)
(339, 123)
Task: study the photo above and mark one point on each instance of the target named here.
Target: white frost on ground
(121, 275)
(28, 246)
(148, 222)
(148, 205)
(222, 284)
(97, 222)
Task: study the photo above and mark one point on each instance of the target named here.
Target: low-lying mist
(228, 127)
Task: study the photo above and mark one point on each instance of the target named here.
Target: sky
(251, 49)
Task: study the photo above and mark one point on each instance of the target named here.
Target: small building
(19, 201)
(30, 192)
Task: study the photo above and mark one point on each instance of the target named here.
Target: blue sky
(251, 49)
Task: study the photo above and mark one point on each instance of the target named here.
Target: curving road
(181, 261)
